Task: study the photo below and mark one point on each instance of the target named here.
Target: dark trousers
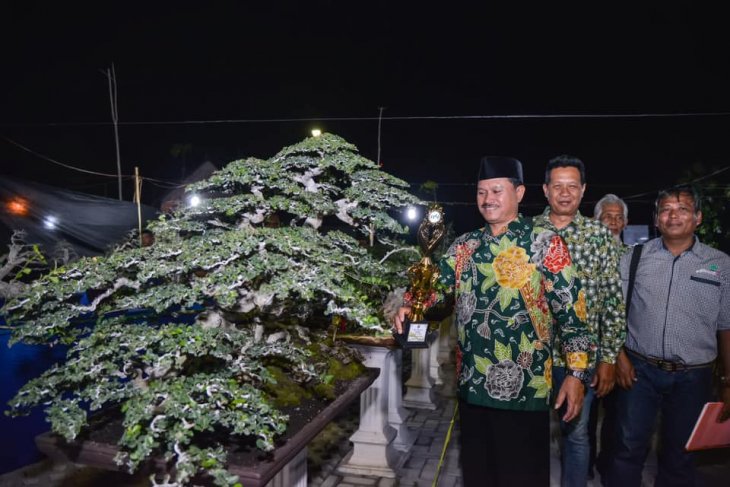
(608, 433)
(592, 434)
(504, 448)
(679, 396)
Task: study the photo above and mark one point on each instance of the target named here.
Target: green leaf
(490, 278)
(485, 269)
(209, 463)
(505, 296)
(502, 352)
(540, 385)
(526, 344)
(466, 286)
(481, 364)
(505, 243)
(568, 272)
(535, 282)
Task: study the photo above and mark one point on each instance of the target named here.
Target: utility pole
(380, 124)
(112, 79)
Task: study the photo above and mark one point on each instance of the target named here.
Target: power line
(534, 116)
(172, 184)
(53, 161)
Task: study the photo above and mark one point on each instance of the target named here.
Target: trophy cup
(423, 276)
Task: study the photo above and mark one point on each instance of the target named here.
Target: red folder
(708, 432)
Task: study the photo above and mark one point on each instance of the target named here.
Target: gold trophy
(423, 276)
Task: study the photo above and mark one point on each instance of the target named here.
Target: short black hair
(676, 192)
(516, 182)
(565, 161)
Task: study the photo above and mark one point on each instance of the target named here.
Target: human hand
(604, 379)
(400, 317)
(625, 373)
(571, 391)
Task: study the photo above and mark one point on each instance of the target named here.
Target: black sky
(254, 60)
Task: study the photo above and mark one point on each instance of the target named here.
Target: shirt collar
(577, 221)
(511, 226)
(694, 248)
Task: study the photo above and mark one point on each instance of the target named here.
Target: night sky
(209, 61)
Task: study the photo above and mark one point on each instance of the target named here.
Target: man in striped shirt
(679, 315)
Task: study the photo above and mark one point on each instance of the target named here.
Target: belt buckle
(667, 366)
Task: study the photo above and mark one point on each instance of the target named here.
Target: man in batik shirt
(595, 256)
(512, 286)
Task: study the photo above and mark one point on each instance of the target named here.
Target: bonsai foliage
(21, 261)
(189, 337)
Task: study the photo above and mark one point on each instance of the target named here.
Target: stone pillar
(419, 393)
(445, 359)
(434, 367)
(447, 340)
(397, 414)
(294, 473)
(373, 452)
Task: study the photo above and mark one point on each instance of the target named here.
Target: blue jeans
(576, 447)
(680, 397)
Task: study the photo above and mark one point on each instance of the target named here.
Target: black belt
(666, 365)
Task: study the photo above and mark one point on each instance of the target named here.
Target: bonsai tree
(214, 330)
(21, 261)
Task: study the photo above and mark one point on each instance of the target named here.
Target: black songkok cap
(500, 167)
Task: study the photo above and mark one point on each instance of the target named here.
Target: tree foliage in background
(234, 291)
(715, 193)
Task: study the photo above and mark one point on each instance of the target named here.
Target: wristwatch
(581, 375)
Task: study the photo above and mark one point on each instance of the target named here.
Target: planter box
(101, 455)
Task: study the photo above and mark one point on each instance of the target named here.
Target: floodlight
(411, 213)
(195, 200)
(50, 222)
(316, 133)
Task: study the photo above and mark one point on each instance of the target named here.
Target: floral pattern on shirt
(595, 255)
(509, 291)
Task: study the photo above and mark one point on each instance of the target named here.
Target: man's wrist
(581, 375)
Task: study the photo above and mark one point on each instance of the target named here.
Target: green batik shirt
(596, 255)
(509, 289)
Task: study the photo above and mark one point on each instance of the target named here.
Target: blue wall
(17, 365)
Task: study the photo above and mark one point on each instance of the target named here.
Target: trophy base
(415, 335)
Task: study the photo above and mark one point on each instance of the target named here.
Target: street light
(18, 206)
(194, 200)
(316, 133)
